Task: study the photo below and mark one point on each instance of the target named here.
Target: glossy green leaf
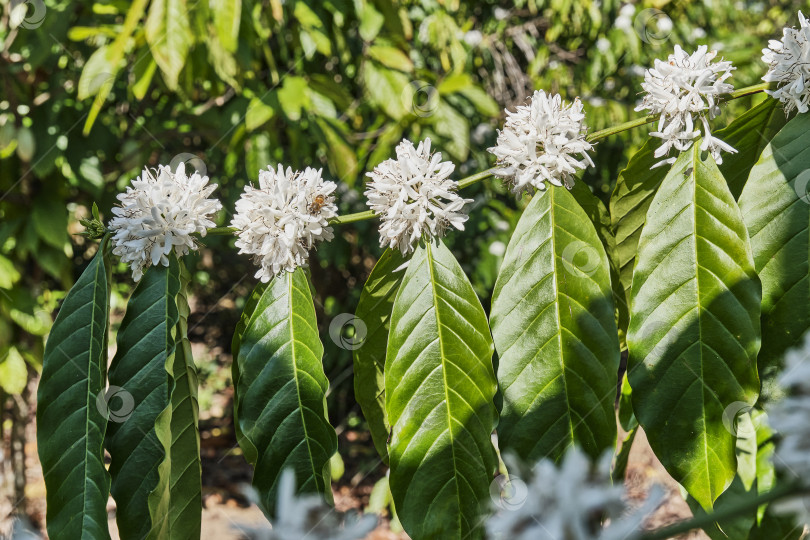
(439, 385)
(281, 388)
(70, 425)
(694, 326)
(555, 332)
(600, 217)
(749, 134)
(374, 310)
(138, 377)
(175, 505)
(776, 209)
(743, 487)
(168, 33)
(629, 202)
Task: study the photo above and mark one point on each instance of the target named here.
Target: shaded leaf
(374, 310)
(555, 332)
(281, 387)
(145, 343)
(176, 503)
(749, 134)
(70, 425)
(694, 326)
(776, 209)
(439, 386)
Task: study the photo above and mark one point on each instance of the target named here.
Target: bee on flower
(284, 218)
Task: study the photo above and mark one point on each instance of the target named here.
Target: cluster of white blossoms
(281, 220)
(789, 65)
(574, 501)
(414, 197)
(789, 417)
(540, 143)
(680, 89)
(158, 213)
(306, 516)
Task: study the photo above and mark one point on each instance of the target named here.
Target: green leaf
(555, 332)
(743, 487)
(341, 157)
(391, 57)
(374, 310)
(9, 275)
(145, 343)
(294, 97)
(776, 209)
(13, 371)
(97, 72)
(451, 124)
(629, 202)
(113, 57)
(168, 33)
(70, 424)
(384, 88)
(749, 134)
(281, 388)
(694, 326)
(227, 16)
(258, 113)
(600, 217)
(175, 506)
(439, 390)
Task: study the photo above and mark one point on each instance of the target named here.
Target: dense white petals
(414, 197)
(160, 212)
(789, 65)
(282, 219)
(684, 88)
(565, 502)
(539, 143)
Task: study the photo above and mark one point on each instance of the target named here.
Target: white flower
(539, 142)
(789, 418)
(414, 196)
(565, 504)
(680, 89)
(284, 218)
(161, 211)
(306, 516)
(789, 65)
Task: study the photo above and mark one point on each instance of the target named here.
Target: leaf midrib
(293, 341)
(553, 238)
(429, 253)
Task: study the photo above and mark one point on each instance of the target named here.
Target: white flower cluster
(281, 220)
(306, 516)
(681, 88)
(159, 212)
(566, 503)
(789, 65)
(414, 197)
(539, 142)
(789, 417)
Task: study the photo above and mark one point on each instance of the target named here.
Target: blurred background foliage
(91, 92)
